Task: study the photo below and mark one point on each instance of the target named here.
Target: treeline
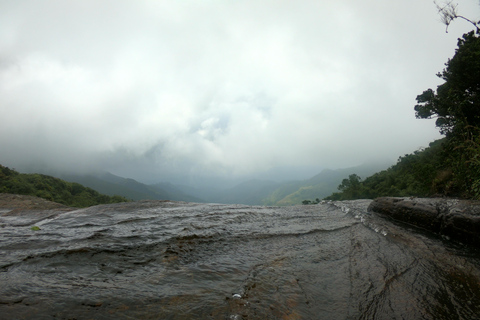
(451, 166)
(423, 173)
(53, 189)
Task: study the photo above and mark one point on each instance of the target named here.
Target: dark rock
(457, 219)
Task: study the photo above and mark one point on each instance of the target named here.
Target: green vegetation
(422, 173)
(53, 189)
(450, 166)
(319, 186)
(455, 104)
(316, 201)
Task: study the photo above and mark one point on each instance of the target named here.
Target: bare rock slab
(456, 219)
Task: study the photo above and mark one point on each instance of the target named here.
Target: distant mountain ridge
(251, 192)
(319, 186)
(109, 184)
(271, 193)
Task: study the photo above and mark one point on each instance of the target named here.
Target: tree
(456, 102)
(351, 186)
(353, 181)
(448, 12)
(456, 105)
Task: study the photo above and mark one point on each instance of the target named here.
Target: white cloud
(217, 87)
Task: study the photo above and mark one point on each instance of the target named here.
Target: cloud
(159, 88)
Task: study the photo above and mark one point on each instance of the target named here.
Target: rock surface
(172, 260)
(18, 202)
(456, 219)
(26, 210)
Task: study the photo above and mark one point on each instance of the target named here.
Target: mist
(185, 91)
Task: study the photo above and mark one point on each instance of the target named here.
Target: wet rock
(15, 203)
(22, 210)
(171, 260)
(456, 219)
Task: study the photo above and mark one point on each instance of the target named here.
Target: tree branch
(449, 12)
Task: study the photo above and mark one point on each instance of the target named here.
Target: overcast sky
(152, 89)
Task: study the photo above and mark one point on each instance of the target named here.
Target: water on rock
(173, 260)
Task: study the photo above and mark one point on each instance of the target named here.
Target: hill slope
(110, 184)
(319, 186)
(252, 192)
(423, 173)
(53, 189)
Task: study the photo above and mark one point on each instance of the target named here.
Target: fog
(185, 90)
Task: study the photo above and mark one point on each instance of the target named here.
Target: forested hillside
(451, 166)
(319, 186)
(423, 173)
(53, 189)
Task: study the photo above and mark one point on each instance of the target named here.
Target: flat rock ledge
(456, 219)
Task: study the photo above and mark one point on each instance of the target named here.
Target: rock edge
(457, 219)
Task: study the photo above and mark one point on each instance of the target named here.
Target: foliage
(450, 167)
(53, 189)
(351, 186)
(455, 102)
(306, 202)
(421, 173)
(319, 186)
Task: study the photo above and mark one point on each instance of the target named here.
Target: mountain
(251, 192)
(319, 186)
(267, 192)
(175, 193)
(53, 189)
(111, 184)
(429, 172)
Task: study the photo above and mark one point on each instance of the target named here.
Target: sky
(162, 90)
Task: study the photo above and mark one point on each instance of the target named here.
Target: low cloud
(156, 89)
